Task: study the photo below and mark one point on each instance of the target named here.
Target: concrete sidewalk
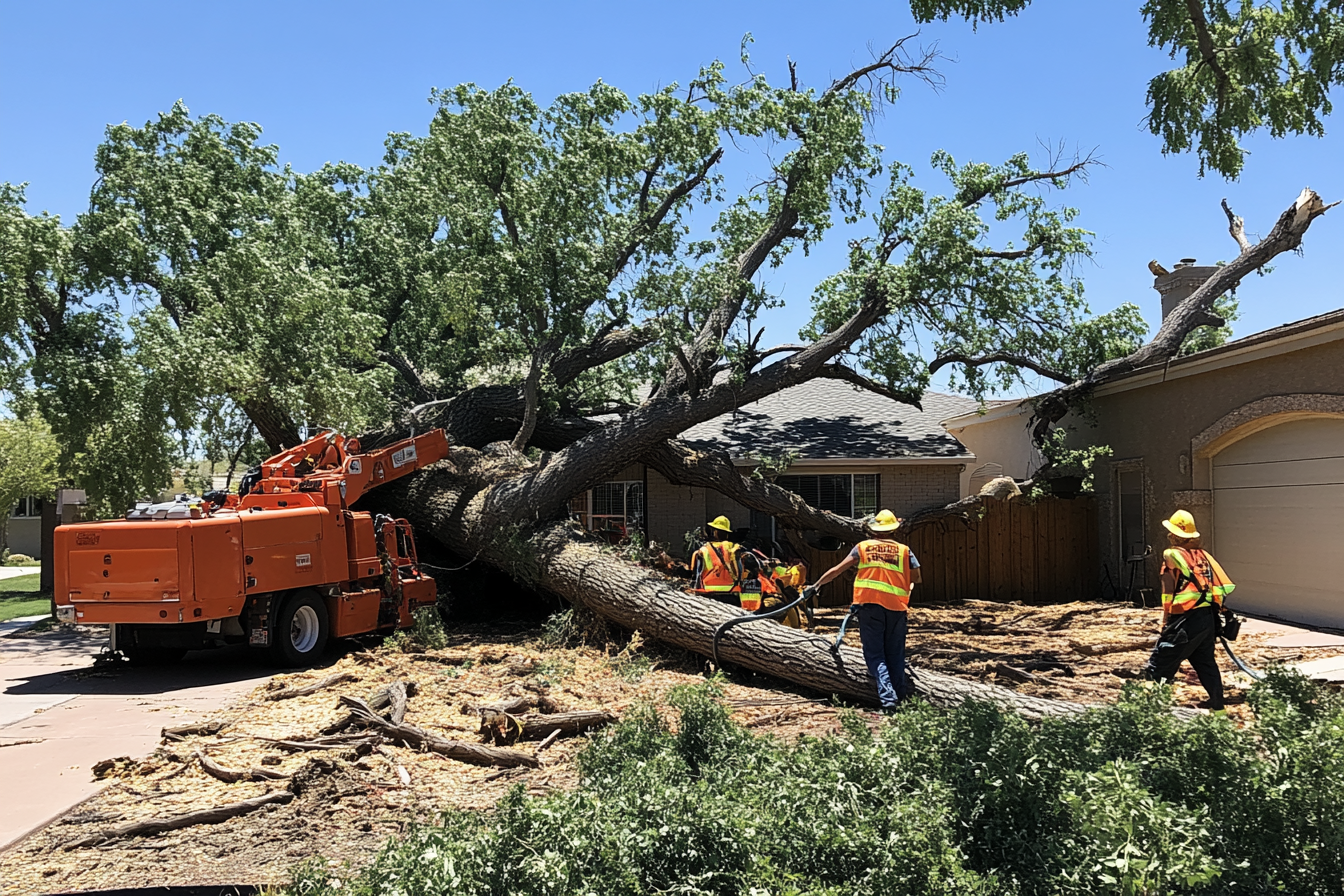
(59, 714)
(13, 572)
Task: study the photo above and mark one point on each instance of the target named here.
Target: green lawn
(19, 596)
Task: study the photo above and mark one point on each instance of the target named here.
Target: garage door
(1278, 520)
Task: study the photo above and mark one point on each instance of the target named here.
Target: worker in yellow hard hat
(887, 572)
(717, 566)
(1193, 588)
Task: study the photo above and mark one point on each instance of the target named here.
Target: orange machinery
(285, 564)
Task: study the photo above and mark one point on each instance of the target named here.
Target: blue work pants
(882, 632)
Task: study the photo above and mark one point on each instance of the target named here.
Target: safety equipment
(1181, 524)
(1200, 581)
(720, 568)
(721, 523)
(883, 576)
(885, 521)
(1229, 626)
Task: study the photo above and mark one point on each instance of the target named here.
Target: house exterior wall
(24, 535)
(1162, 429)
(1005, 441)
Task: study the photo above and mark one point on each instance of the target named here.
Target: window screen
(842, 493)
(865, 494)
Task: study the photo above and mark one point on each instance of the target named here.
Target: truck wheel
(301, 630)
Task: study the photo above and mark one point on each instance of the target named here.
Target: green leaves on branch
(1245, 66)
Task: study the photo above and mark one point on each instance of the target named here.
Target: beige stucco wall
(1005, 441)
(1163, 429)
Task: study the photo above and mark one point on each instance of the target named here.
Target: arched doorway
(1278, 518)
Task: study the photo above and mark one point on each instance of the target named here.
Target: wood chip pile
(331, 762)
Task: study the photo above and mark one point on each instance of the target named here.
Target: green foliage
(1124, 800)
(28, 455)
(561, 630)
(769, 466)
(1246, 66)
(1062, 460)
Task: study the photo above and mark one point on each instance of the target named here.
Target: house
(856, 452)
(1248, 436)
(23, 534)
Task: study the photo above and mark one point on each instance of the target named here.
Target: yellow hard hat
(1181, 524)
(721, 522)
(885, 521)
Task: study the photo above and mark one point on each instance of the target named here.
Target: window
(28, 507)
(848, 494)
(612, 507)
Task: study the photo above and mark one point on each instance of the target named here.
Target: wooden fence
(1044, 551)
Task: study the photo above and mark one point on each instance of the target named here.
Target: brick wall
(906, 489)
(673, 511)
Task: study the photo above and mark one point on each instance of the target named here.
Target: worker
(1193, 588)
(716, 567)
(887, 570)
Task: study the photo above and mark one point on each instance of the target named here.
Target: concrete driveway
(59, 714)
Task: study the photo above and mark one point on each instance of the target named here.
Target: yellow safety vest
(884, 574)
(720, 569)
(1200, 581)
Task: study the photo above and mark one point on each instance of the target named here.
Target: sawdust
(349, 801)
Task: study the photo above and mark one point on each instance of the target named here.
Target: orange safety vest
(884, 574)
(720, 569)
(1200, 581)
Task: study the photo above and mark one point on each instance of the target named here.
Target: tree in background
(28, 455)
(1247, 66)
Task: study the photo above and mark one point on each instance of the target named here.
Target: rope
(451, 568)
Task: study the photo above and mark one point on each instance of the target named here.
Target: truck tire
(301, 630)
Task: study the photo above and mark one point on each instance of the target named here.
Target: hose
(844, 623)
(751, 617)
(1236, 660)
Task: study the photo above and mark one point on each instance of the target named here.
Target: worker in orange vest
(716, 567)
(1193, 588)
(887, 571)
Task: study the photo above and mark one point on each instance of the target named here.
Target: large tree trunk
(446, 504)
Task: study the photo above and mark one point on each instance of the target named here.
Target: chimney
(1176, 286)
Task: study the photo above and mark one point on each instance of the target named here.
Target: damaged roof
(832, 420)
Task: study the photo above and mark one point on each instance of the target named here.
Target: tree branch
(1237, 227)
(681, 464)
(837, 371)
(998, 358)
(602, 349)
(649, 224)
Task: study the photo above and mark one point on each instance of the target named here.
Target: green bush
(1123, 800)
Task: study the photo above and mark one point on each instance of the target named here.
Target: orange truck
(283, 565)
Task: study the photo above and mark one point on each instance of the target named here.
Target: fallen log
(476, 754)
(288, 693)
(393, 695)
(1003, 670)
(446, 659)
(186, 820)
(503, 728)
(442, 504)
(234, 775)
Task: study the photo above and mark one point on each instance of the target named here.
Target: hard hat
(885, 521)
(720, 522)
(1181, 524)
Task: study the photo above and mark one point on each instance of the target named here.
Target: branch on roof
(837, 371)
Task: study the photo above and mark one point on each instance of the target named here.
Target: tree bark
(172, 823)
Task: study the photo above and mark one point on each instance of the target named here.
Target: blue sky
(328, 81)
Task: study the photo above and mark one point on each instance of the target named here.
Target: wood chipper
(283, 565)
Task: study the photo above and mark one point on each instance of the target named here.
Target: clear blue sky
(329, 80)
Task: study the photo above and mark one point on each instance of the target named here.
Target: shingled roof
(831, 420)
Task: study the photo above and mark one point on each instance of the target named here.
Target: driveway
(59, 714)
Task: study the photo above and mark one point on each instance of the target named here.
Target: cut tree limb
(501, 728)
(288, 693)
(182, 732)
(389, 695)
(476, 754)
(1103, 649)
(186, 820)
(234, 775)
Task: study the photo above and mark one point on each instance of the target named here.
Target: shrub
(18, 560)
(1123, 800)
